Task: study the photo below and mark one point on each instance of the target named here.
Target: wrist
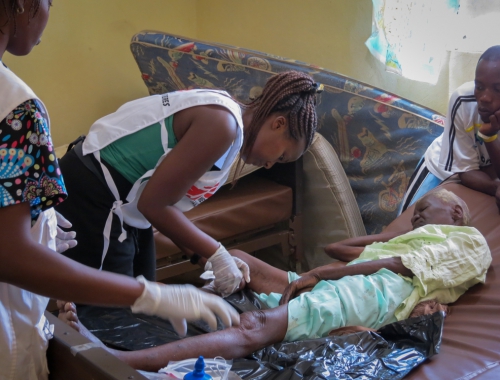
(317, 276)
(149, 299)
(221, 251)
(487, 136)
(326, 273)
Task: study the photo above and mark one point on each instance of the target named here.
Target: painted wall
(83, 69)
(327, 33)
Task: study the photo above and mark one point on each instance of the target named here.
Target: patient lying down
(378, 279)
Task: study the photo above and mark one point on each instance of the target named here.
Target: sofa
(349, 183)
(369, 137)
(470, 347)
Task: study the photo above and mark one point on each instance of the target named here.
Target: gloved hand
(181, 303)
(64, 240)
(228, 271)
(208, 275)
(243, 267)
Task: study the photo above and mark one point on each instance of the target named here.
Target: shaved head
(491, 54)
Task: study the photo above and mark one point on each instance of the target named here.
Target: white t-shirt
(460, 133)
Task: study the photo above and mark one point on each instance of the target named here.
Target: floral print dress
(29, 171)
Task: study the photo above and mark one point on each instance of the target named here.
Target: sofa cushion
(254, 203)
(471, 338)
(331, 212)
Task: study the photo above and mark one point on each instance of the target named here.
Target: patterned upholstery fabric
(378, 137)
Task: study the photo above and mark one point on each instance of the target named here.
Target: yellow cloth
(445, 260)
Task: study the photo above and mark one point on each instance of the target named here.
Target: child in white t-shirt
(469, 145)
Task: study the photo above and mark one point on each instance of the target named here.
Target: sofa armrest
(330, 212)
(66, 362)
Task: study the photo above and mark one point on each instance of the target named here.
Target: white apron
(141, 113)
(24, 329)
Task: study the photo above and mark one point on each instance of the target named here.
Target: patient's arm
(335, 272)
(264, 277)
(482, 180)
(258, 329)
(350, 249)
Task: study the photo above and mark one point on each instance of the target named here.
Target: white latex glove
(181, 303)
(243, 267)
(64, 240)
(228, 271)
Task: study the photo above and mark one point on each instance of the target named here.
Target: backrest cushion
(330, 210)
(378, 137)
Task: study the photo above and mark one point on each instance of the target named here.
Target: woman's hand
(183, 303)
(64, 240)
(231, 273)
(305, 283)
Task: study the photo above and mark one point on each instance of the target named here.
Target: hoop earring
(20, 10)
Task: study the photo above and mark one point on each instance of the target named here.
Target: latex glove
(181, 303)
(64, 240)
(242, 266)
(228, 271)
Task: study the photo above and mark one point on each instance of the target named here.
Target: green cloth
(368, 301)
(133, 155)
(445, 260)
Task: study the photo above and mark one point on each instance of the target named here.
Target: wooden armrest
(66, 361)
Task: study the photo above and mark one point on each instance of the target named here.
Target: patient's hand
(304, 284)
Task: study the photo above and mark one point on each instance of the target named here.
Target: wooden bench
(263, 209)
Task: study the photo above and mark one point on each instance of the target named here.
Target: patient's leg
(257, 330)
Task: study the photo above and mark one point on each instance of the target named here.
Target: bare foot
(67, 314)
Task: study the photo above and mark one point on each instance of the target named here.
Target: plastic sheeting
(391, 353)
(121, 329)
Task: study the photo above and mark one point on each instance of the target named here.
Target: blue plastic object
(199, 371)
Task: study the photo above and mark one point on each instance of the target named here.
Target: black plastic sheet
(390, 353)
(120, 328)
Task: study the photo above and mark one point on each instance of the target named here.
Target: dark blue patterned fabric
(378, 137)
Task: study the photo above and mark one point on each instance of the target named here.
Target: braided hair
(9, 9)
(291, 93)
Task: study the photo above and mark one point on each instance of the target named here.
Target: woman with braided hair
(161, 155)
(30, 186)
